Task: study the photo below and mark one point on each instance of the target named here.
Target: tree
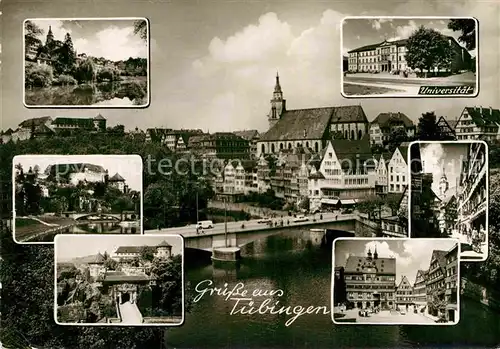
(147, 253)
(468, 28)
(141, 28)
(86, 71)
(427, 48)
(427, 128)
(371, 206)
(31, 33)
(396, 137)
(304, 203)
(66, 58)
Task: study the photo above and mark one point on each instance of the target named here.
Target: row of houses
(46, 126)
(370, 281)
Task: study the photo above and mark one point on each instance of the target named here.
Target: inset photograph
(449, 194)
(116, 280)
(378, 281)
(76, 194)
(409, 57)
(86, 62)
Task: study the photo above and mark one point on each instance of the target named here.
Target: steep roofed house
(436, 283)
(478, 123)
(404, 293)
(309, 128)
(446, 128)
(117, 181)
(398, 169)
(385, 123)
(220, 145)
(346, 174)
(452, 283)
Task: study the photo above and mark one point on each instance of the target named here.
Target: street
(386, 316)
(253, 224)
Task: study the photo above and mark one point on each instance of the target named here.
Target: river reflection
(303, 271)
(95, 228)
(124, 93)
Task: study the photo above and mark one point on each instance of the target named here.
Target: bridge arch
(104, 216)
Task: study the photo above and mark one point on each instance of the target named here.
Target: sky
(68, 247)
(128, 166)
(361, 32)
(411, 254)
(213, 64)
(436, 156)
(112, 39)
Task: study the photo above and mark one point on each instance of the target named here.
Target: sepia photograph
(449, 194)
(409, 57)
(86, 62)
(116, 280)
(396, 281)
(76, 194)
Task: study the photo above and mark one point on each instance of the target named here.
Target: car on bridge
(301, 218)
(205, 225)
(265, 220)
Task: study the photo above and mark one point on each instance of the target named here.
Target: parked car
(265, 220)
(205, 225)
(301, 218)
(402, 312)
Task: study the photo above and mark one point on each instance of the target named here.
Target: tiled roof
(82, 122)
(384, 265)
(404, 280)
(441, 258)
(35, 121)
(8, 132)
(388, 119)
(73, 168)
(352, 151)
(247, 134)
(163, 244)
(99, 117)
(128, 249)
(374, 46)
(117, 178)
(42, 128)
(317, 175)
(403, 149)
(484, 116)
(300, 124)
(312, 123)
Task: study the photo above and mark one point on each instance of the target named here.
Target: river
(303, 272)
(94, 228)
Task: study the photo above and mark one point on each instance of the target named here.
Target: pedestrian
(321, 217)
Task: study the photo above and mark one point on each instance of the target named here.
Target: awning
(330, 201)
(348, 201)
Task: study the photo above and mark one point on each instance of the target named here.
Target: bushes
(65, 80)
(39, 75)
(108, 74)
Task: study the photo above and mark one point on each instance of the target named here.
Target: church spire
(277, 87)
(369, 253)
(375, 254)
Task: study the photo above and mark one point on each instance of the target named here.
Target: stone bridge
(96, 216)
(359, 226)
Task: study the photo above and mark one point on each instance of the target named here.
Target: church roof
(354, 265)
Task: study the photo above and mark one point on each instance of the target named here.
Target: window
(272, 148)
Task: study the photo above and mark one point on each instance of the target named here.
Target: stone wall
(365, 228)
(253, 210)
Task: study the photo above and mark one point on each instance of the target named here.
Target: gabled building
(117, 182)
(385, 123)
(370, 281)
(478, 123)
(404, 293)
(76, 172)
(289, 179)
(346, 174)
(220, 145)
(252, 136)
(446, 128)
(381, 181)
(398, 170)
(420, 289)
(436, 284)
(452, 283)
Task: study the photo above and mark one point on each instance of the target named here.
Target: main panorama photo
(257, 83)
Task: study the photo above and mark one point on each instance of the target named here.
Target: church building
(310, 128)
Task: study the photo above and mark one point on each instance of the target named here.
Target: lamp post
(225, 221)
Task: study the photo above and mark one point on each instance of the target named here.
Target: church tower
(50, 37)
(278, 104)
(443, 185)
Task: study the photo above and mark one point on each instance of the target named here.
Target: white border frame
(148, 78)
(431, 240)
(132, 156)
(476, 87)
(487, 164)
(119, 237)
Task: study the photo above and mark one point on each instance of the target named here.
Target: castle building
(309, 128)
(371, 281)
(117, 182)
(77, 172)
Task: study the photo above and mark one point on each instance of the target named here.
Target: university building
(371, 281)
(390, 56)
(309, 128)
